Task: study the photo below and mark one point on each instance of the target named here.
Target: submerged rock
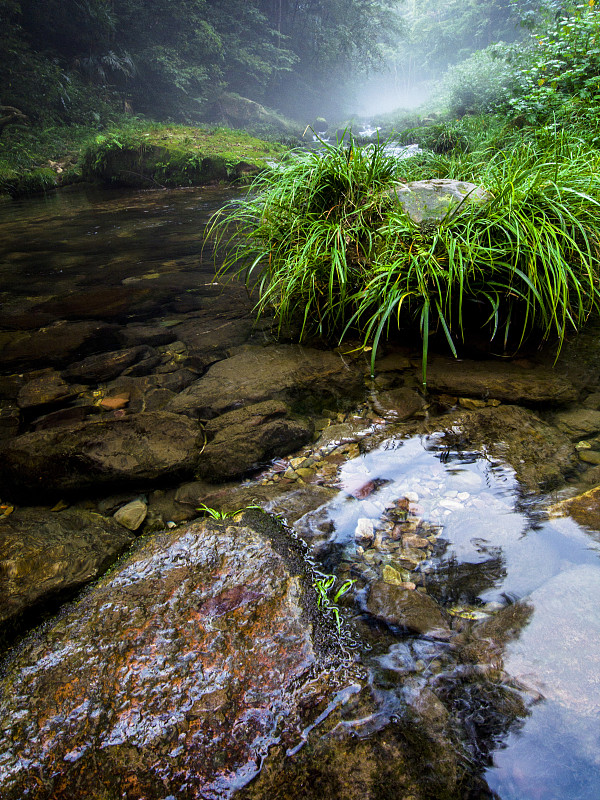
(540, 454)
(260, 373)
(106, 366)
(579, 422)
(46, 556)
(584, 508)
(45, 389)
(136, 448)
(407, 608)
(175, 674)
(500, 380)
(132, 514)
(57, 344)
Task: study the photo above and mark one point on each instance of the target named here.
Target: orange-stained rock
(174, 675)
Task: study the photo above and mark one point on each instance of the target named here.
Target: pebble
(364, 531)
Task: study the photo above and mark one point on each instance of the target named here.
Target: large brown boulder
(175, 675)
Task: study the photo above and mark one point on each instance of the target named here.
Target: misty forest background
(71, 64)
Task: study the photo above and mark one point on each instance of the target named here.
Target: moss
(28, 182)
(175, 155)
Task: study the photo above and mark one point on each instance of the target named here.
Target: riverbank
(133, 154)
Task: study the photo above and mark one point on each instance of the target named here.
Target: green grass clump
(323, 238)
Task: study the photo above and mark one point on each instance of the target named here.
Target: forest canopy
(72, 60)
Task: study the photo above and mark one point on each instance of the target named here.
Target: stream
(524, 710)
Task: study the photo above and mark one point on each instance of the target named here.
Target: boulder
(501, 380)
(255, 374)
(175, 675)
(134, 449)
(401, 403)
(241, 441)
(47, 556)
(432, 200)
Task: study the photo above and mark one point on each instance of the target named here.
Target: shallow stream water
(490, 549)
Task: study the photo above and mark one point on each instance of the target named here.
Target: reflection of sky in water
(553, 565)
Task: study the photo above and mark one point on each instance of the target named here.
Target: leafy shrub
(563, 66)
(321, 238)
(481, 83)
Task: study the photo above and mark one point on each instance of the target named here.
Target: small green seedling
(221, 515)
(323, 586)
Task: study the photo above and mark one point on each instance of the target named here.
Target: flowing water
(486, 550)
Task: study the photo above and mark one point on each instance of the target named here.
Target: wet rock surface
(255, 374)
(138, 448)
(180, 669)
(48, 555)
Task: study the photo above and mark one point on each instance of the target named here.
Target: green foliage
(559, 75)
(324, 586)
(307, 231)
(481, 83)
(322, 240)
(222, 515)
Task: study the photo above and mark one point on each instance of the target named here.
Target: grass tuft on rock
(324, 240)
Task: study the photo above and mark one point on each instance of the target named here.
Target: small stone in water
(412, 497)
(364, 530)
(463, 496)
(392, 576)
(132, 515)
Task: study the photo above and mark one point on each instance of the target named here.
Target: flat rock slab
(504, 381)
(45, 554)
(260, 373)
(132, 449)
(241, 441)
(435, 199)
(180, 669)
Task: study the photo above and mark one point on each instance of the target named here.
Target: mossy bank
(137, 155)
(175, 155)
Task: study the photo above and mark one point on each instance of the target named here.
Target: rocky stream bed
(154, 652)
